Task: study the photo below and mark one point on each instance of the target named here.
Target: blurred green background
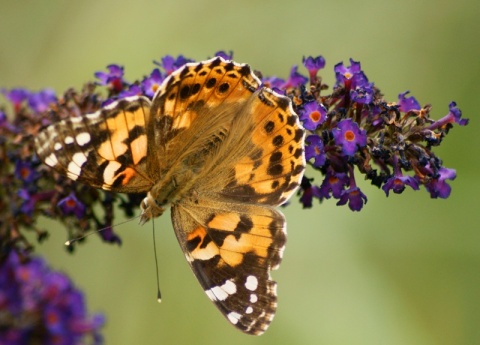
(405, 270)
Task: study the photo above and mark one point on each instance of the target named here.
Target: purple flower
(313, 65)
(41, 101)
(407, 103)
(437, 186)
(16, 97)
(334, 183)
(108, 235)
(345, 74)
(349, 136)
(313, 115)
(44, 300)
(133, 90)
(273, 82)
(170, 64)
(354, 197)
(25, 171)
(28, 205)
(454, 116)
(71, 205)
(308, 194)
(315, 150)
(113, 78)
(397, 183)
(150, 84)
(356, 83)
(223, 54)
(295, 79)
(363, 94)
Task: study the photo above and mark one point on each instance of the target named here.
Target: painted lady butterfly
(218, 148)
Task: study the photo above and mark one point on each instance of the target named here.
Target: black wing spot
(195, 88)
(276, 156)
(277, 141)
(193, 243)
(298, 135)
(276, 169)
(185, 92)
(210, 83)
(223, 88)
(269, 126)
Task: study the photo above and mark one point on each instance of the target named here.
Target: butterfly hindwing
(106, 149)
(231, 248)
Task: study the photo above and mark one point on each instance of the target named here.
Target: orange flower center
(315, 116)
(333, 179)
(24, 172)
(71, 203)
(349, 135)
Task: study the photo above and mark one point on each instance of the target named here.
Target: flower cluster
(349, 131)
(389, 142)
(41, 306)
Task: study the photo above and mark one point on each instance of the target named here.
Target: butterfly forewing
(263, 157)
(106, 149)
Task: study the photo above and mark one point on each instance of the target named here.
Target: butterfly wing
(243, 148)
(106, 149)
(262, 159)
(231, 248)
(187, 123)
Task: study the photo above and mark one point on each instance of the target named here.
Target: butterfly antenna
(159, 295)
(70, 242)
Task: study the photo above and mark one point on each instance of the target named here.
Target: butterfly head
(150, 209)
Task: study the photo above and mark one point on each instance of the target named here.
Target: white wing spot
(210, 295)
(71, 175)
(218, 292)
(95, 115)
(253, 298)
(251, 283)
(75, 166)
(57, 146)
(69, 140)
(51, 160)
(229, 287)
(249, 310)
(221, 293)
(234, 317)
(79, 158)
(109, 172)
(83, 138)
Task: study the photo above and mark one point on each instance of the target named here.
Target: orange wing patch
(106, 149)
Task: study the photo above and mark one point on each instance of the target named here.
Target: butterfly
(219, 149)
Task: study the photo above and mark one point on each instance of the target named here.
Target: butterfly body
(218, 149)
